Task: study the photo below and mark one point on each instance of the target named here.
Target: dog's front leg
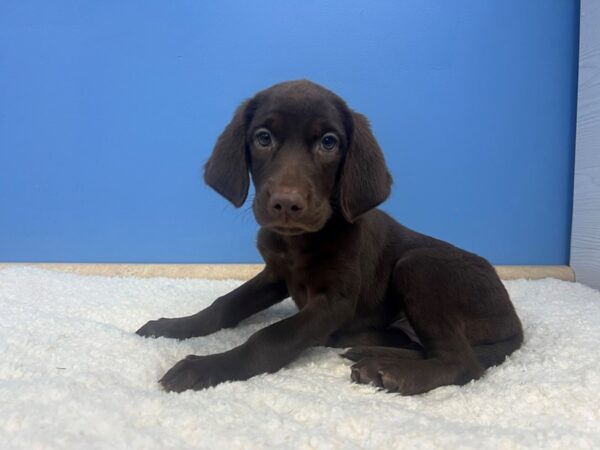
(262, 291)
(268, 350)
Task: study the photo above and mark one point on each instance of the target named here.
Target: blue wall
(109, 109)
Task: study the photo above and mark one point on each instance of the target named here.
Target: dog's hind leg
(386, 337)
(488, 355)
(373, 351)
(450, 360)
(493, 354)
(436, 299)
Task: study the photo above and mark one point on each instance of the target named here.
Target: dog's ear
(226, 171)
(364, 181)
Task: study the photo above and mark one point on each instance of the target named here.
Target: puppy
(415, 312)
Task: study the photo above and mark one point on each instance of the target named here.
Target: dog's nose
(290, 204)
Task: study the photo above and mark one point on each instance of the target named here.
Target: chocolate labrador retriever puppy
(417, 312)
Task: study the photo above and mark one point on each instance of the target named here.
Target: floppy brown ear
(226, 171)
(365, 181)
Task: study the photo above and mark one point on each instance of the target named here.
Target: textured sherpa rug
(73, 375)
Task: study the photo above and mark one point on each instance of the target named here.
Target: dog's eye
(263, 137)
(329, 142)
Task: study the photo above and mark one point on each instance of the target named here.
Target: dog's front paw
(170, 328)
(196, 372)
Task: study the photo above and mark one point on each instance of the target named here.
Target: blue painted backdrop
(109, 109)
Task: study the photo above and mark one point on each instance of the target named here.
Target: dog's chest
(292, 265)
(295, 266)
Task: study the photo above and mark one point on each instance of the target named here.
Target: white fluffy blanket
(73, 375)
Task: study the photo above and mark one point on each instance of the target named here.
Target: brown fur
(352, 270)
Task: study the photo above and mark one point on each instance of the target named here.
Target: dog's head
(309, 156)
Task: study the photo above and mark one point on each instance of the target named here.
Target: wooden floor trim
(247, 271)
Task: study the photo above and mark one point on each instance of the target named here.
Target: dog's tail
(494, 354)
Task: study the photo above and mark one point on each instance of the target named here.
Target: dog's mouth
(311, 222)
(292, 228)
(288, 230)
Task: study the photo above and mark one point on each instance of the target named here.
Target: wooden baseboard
(247, 271)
